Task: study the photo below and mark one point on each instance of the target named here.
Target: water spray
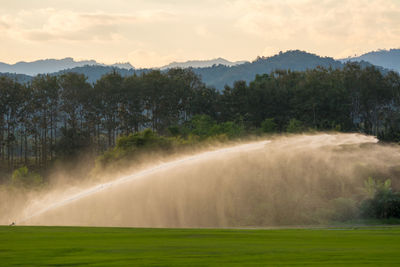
(141, 174)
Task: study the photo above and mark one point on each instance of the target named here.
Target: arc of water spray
(160, 167)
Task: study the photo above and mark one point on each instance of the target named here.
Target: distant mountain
(21, 78)
(125, 65)
(202, 63)
(52, 65)
(389, 59)
(219, 75)
(296, 60)
(93, 73)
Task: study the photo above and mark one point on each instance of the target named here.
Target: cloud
(155, 31)
(340, 23)
(67, 25)
(4, 25)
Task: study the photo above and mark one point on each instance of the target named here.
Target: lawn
(65, 246)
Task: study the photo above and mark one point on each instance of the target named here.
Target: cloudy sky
(155, 32)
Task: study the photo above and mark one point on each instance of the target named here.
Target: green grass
(72, 246)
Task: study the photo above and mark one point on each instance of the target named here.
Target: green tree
(109, 88)
(73, 87)
(45, 92)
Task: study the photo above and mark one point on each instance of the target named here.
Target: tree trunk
(26, 149)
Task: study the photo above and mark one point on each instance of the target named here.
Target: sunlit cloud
(338, 24)
(153, 31)
(66, 25)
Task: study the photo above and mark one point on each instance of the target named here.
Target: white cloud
(67, 25)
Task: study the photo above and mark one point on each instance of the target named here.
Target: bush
(23, 177)
(269, 126)
(146, 138)
(202, 126)
(385, 204)
(294, 126)
(382, 202)
(205, 127)
(174, 131)
(230, 129)
(128, 146)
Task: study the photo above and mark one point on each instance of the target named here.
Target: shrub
(269, 125)
(230, 129)
(294, 126)
(146, 138)
(128, 146)
(23, 177)
(205, 127)
(202, 126)
(383, 204)
(174, 131)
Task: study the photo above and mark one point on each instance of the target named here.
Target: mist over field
(291, 180)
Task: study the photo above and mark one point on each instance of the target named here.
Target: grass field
(72, 246)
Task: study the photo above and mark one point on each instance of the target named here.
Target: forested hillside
(219, 76)
(201, 63)
(389, 59)
(52, 65)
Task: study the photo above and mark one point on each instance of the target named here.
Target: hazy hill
(201, 63)
(218, 76)
(51, 65)
(21, 78)
(389, 59)
(93, 73)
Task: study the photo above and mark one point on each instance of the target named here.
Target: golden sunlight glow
(155, 32)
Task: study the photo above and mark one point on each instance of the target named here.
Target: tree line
(60, 116)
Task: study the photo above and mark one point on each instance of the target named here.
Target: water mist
(285, 180)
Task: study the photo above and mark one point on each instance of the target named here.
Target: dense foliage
(382, 203)
(60, 116)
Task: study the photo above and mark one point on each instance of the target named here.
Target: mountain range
(202, 63)
(52, 65)
(389, 59)
(216, 73)
(296, 60)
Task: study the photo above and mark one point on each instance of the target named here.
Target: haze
(154, 33)
(286, 180)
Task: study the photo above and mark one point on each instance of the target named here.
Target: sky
(153, 33)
